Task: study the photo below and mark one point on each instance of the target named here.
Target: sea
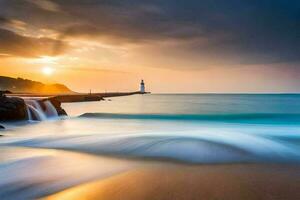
(42, 157)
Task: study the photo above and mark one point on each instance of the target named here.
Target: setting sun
(48, 71)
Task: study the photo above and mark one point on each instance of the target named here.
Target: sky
(176, 46)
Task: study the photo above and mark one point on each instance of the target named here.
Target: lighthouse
(142, 88)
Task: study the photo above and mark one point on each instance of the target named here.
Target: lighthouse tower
(142, 88)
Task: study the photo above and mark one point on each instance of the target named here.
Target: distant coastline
(20, 85)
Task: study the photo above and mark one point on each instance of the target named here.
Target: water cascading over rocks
(16, 108)
(40, 110)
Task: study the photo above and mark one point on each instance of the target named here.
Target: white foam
(35, 110)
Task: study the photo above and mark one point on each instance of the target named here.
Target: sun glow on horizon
(48, 71)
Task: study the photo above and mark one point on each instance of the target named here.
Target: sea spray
(185, 141)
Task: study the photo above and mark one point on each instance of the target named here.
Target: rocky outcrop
(57, 106)
(15, 108)
(12, 108)
(3, 92)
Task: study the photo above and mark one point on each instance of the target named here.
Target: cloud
(94, 69)
(13, 44)
(240, 32)
(46, 5)
(3, 20)
(12, 24)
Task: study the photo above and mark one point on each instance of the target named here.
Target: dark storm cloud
(255, 31)
(12, 44)
(3, 20)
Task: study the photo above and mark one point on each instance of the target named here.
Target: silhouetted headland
(20, 85)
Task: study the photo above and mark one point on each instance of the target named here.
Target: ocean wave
(206, 148)
(243, 117)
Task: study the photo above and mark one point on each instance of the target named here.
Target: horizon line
(224, 93)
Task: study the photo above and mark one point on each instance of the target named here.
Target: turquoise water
(199, 104)
(36, 158)
(203, 128)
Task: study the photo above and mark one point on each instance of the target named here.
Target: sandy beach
(184, 182)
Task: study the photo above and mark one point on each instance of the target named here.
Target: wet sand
(184, 182)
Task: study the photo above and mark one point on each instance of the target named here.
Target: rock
(3, 92)
(57, 106)
(12, 108)
(1, 127)
(93, 98)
